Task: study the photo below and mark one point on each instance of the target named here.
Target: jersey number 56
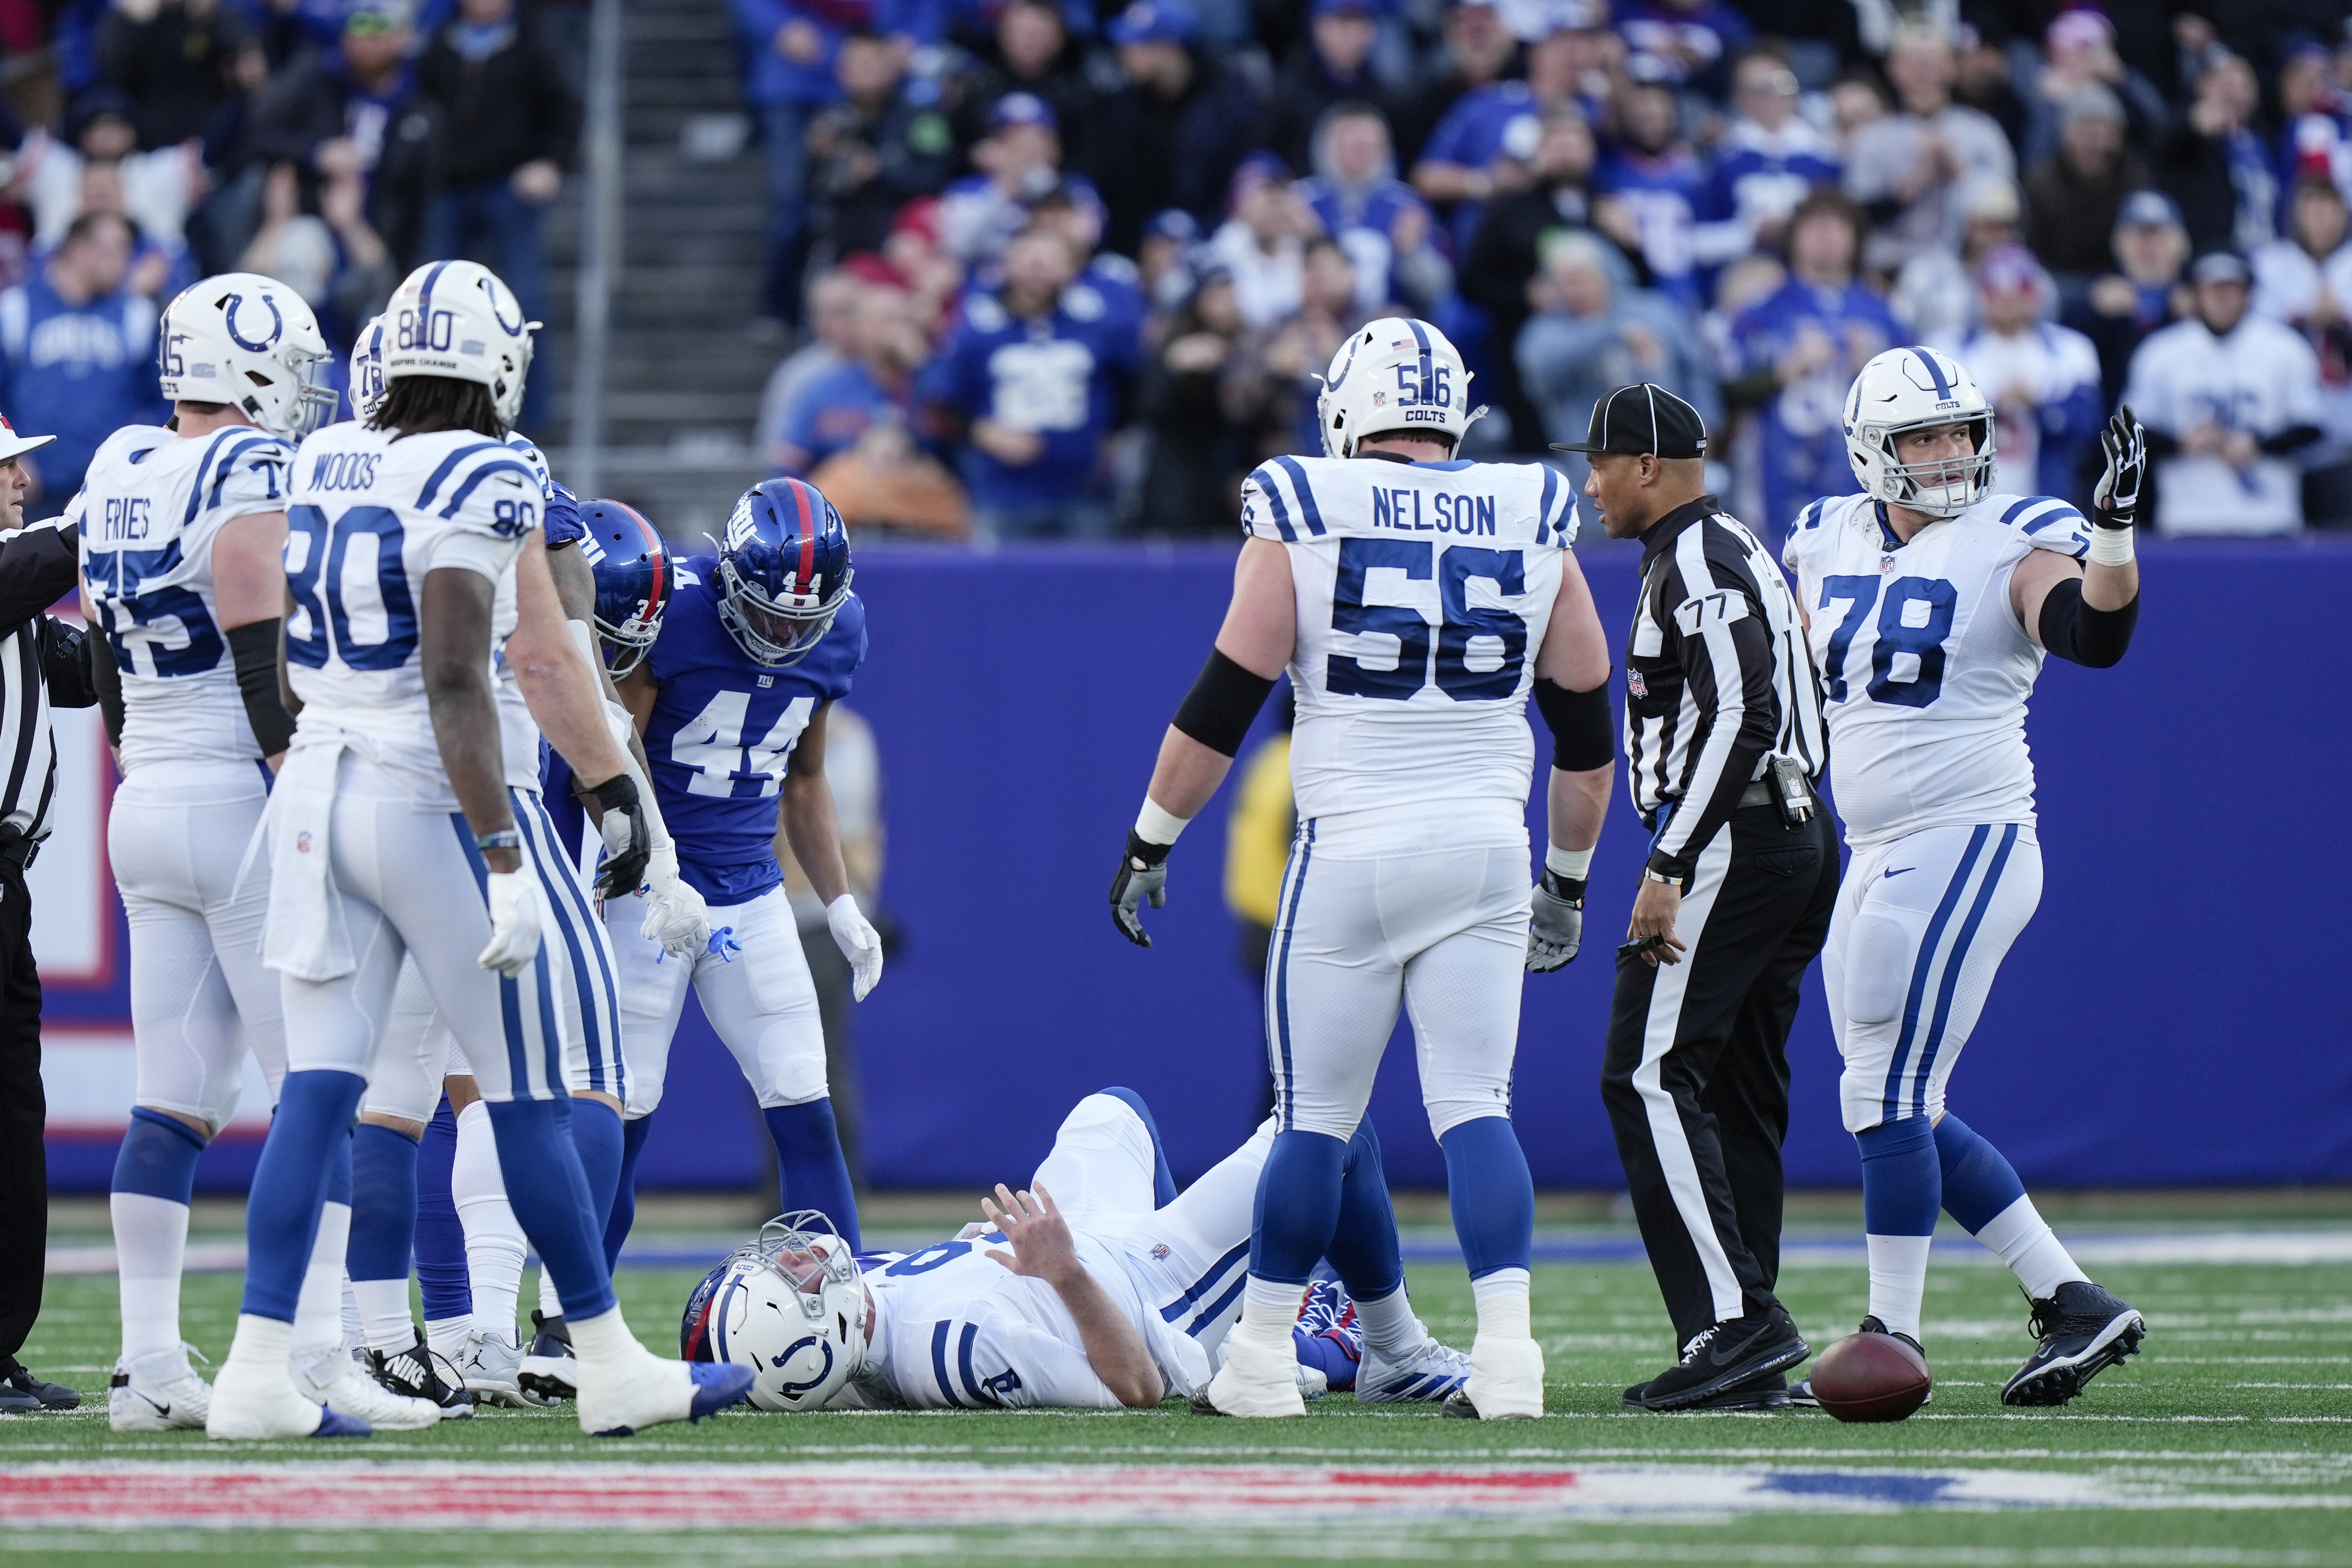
(1502, 633)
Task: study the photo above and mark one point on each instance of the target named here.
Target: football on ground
(1870, 1377)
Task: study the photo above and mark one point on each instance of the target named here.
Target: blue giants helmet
(784, 570)
(631, 565)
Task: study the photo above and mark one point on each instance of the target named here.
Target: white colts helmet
(791, 1307)
(249, 342)
(1910, 389)
(367, 368)
(1395, 376)
(457, 318)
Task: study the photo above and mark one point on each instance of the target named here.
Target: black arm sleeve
(254, 645)
(2076, 632)
(2293, 438)
(1219, 710)
(1583, 731)
(107, 681)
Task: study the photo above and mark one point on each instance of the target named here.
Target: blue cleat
(332, 1424)
(717, 1386)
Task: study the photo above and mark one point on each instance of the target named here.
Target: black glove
(1555, 922)
(2114, 499)
(1143, 874)
(628, 843)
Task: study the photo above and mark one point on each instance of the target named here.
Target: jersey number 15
(1505, 632)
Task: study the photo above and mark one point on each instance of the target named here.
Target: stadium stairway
(682, 385)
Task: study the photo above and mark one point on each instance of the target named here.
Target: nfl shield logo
(1159, 1250)
(1634, 683)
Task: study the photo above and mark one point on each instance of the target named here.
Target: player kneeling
(1097, 1287)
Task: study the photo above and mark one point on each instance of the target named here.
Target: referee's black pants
(1695, 1074)
(24, 1108)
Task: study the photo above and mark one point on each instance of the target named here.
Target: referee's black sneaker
(22, 1394)
(1733, 1352)
(1770, 1391)
(2084, 1331)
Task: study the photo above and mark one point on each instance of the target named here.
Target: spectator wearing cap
(2071, 196)
(1907, 168)
(1173, 132)
(1165, 263)
(1263, 246)
(882, 147)
(2229, 398)
(1033, 375)
(512, 124)
(872, 385)
(1330, 67)
(1479, 50)
(2041, 378)
(1481, 149)
(1769, 160)
(2123, 307)
(2216, 166)
(77, 352)
(1591, 335)
(1935, 293)
(1386, 229)
(1682, 43)
(355, 110)
(1019, 164)
(1653, 171)
(1192, 486)
(176, 63)
(2304, 280)
(2078, 55)
(1030, 52)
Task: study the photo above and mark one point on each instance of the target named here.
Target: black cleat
(417, 1373)
(1726, 1357)
(549, 1368)
(2084, 1331)
(22, 1394)
(1872, 1326)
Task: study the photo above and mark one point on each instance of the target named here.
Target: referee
(1724, 740)
(41, 665)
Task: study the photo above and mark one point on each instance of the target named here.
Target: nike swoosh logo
(162, 1409)
(1898, 870)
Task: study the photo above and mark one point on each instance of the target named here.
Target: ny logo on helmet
(739, 524)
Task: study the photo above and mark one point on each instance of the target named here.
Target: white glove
(676, 916)
(514, 922)
(859, 940)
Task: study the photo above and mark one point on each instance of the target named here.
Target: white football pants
(1445, 929)
(761, 1002)
(178, 837)
(1921, 927)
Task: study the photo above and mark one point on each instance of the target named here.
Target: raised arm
(1044, 1249)
(2085, 613)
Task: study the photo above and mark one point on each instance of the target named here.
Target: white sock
(261, 1343)
(2022, 1238)
(384, 1313)
(319, 1310)
(151, 1245)
(549, 1305)
(604, 1341)
(494, 1247)
(354, 1326)
(1269, 1311)
(1898, 1281)
(1503, 1309)
(1389, 1326)
(446, 1336)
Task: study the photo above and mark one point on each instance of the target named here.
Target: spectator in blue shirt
(1684, 43)
(1385, 229)
(78, 353)
(1482, 148)
(1768, 161)
(834, 409)
(1654, 172)
(1034, 371)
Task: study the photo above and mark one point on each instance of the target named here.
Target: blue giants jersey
(724, 727)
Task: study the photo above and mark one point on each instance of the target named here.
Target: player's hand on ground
(859, 940)
(1043, 1248)
(1555, 923)
(628, 843)
(1654, 909)
(677, 918)
(1142, 874)
(2114, 499)
(514, 921)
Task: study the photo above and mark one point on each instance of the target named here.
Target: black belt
(17, 851)
(1757, 793)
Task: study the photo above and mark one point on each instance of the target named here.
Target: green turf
(2245, 1395)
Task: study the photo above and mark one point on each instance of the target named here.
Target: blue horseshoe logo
(513, 327)
(794, 1390)
(277, 324)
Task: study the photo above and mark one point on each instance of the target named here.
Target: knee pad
(1878, 962)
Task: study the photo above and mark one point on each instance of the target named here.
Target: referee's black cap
(1633, 420)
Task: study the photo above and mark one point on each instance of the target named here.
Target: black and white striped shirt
(37, 569)
(1717, 680)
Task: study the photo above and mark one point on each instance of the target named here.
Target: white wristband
(2111, 546)
(1572, 864)
(1154, 826)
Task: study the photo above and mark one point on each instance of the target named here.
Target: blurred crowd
(1056, 273)
(333, 145)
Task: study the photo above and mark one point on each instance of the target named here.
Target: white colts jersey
(1423, 592)
(371, 517)
(149, 509)
(1924, 667)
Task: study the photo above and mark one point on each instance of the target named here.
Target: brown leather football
(1870, 1377)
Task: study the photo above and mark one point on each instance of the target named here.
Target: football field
(2229, 1441)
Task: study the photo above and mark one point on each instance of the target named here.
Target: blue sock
(1979, 1182)
(625, 1190)
(339, 1174)
(158, 1157)
(1363, 1249)
(597, 1134)
(440, 1238)
(1339, 1368)
(1491, 1193)
(1298, 1198)
(808, 1160)
(383, 1203)
(550, 1196)
(1902, 1186)
(310, 1140)
(1163, 1184)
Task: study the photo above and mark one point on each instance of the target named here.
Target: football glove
(1555, 923)
(858, 941)
(1143, 874)
(628, 842)
(676, 917)
(514, 921)
(2114, 499)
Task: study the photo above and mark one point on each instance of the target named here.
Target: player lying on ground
(1931, 605)
(1097, 1287)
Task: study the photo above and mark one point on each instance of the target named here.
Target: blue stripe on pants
(1952, 966)
(1924, 965)
(1278, 982)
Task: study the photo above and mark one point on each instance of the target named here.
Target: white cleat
(645, 1390)
(157, 1393)
(1258, 1380)
(1426, 1374)
(259, 1403)
(492, 1368)
(335, 1380)
(1506, 1381)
